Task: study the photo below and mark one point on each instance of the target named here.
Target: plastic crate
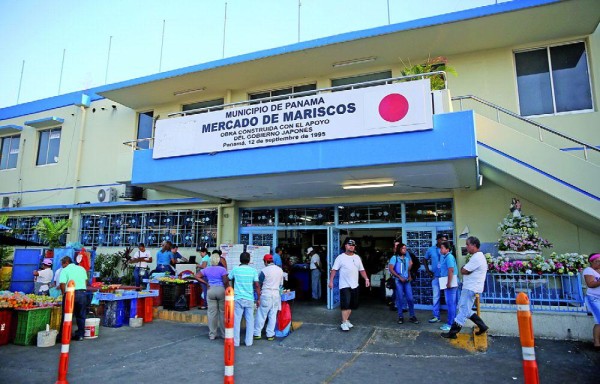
(170, 294)
(148, 293)
(288, 296)
(29, 323)
(148, 310)
(157, 300)
(5, 324)
(114, 314)
(193, 294)
(55, 318)
(105, 296)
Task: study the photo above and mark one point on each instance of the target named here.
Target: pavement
(376, 350)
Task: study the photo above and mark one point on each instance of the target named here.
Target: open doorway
(374, 246)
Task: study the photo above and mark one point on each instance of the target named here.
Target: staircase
(530, 159)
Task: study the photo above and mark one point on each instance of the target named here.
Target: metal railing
(541, 129)
(546, 292)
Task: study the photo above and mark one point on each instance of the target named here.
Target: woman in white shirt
(592, 279)
(43, 277)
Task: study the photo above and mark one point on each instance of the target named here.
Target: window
(553, 80)
(9, 152)
(145, 125)
(203, 104)
(283, 91)
(187, 228)
(24, 227)
(361, 79)
(49, 146)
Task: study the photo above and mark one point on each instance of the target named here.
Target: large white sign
(399, 107)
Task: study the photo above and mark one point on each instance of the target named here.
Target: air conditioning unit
(107, 195)
(10, 202)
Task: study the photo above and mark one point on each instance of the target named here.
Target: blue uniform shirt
(401, 266)
(433, 254)
(164, 257)
(447, 261)
(277, 260)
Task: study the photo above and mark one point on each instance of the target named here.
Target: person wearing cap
(433, 257)
(350, 266)
(315, 272)
(177, 257)
(79, 276)
(245, 280)
(43, 278)
(271, 278)
(591, 275)
(140, 261)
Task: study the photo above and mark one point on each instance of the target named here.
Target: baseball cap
(47, 261)
(309, 249)
(350, 242)
(268, 257)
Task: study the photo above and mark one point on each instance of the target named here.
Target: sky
(41, 33)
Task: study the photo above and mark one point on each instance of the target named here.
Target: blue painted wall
(453, 137)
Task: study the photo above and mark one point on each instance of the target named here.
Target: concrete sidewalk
(376, 350)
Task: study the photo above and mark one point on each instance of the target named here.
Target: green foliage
(6, 253)
(50, 232)
(439, 63)
(106, 265)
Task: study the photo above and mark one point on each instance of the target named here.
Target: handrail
(519, 117)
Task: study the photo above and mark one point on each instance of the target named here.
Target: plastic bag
(181, 304)
(284, 316)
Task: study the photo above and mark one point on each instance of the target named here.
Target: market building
(306, 144)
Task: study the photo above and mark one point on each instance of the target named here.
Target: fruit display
(26, 301)
(172, 280)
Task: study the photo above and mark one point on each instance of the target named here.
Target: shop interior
(374, 246)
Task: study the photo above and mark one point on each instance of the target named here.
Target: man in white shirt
(270, 300)
(350, 265)
(474, 273)
(140, 261)
(315, 272)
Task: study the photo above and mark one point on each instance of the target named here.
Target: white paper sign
(384, 109)
(232, 252)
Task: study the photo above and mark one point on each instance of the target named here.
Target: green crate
(29, 323)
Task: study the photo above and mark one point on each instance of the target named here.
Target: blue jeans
(79, 312)
(404, 290)
(139, 274)
(450, 295)
(315, 275)
(244, 308)
(204, 294)
(435, 286)
(465, 306)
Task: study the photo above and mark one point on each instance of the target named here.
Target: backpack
(416, 264)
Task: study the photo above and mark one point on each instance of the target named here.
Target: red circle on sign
(393, 107)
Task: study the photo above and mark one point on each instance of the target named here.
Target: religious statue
(515, 207)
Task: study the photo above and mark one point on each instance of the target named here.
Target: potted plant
(50, 232)
(106, 265)
(440, 63)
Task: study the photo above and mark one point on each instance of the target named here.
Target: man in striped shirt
(245, 283)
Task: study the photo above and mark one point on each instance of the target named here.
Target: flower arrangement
(519, 233)
(567, 263)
